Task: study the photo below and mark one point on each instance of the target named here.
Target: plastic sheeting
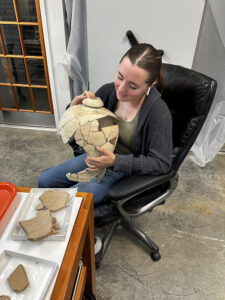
(75, 61)
(212, 137)
(210, 61)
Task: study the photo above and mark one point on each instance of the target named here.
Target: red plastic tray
(7, 194)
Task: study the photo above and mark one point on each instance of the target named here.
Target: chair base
(151, 246)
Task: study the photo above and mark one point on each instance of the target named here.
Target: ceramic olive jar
(91, 125)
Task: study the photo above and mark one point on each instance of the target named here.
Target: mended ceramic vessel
(91, 125)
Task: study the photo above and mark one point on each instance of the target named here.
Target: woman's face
(130, 82)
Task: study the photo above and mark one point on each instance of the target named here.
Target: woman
(145, 128)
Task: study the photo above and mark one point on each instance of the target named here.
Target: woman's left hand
(106, 160)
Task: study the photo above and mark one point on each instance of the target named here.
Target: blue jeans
(55, 177)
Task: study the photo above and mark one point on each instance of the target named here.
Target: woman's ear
(154, 83)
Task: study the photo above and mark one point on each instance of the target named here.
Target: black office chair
(189, 96)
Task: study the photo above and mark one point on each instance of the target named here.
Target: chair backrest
(189, 95)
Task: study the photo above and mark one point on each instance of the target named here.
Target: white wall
(169, 25)
(55, 44)
(218, 11)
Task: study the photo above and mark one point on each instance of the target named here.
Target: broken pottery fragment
(38, 227)
(4, 297)
(54, 200)
(18, 279)
(39, 206)
(93, 102)
(92, 125)
(56, 226)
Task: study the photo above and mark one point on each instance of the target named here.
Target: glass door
(25, 96)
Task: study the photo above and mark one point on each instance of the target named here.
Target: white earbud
(147, 93)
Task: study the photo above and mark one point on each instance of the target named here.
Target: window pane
(36, 71)
(6, 97)
(3, 71)
(41, 99)
(23, 97)
(27, 11)
(18, 70)
(11, 39)
(7, 10)
(31, 40)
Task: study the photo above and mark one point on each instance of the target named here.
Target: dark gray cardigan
(152, 142)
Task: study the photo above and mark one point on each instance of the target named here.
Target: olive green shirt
(126, 134)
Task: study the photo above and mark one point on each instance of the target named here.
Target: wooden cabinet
(80, 246)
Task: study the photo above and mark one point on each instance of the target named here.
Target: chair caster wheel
(155, 256)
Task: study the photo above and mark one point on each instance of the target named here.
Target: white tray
(28, 211)
(39, 271)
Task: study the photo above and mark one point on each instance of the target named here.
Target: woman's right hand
(78, 99)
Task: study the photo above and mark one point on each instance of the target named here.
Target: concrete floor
(189, 228)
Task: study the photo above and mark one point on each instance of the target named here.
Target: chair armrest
(135, 184)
